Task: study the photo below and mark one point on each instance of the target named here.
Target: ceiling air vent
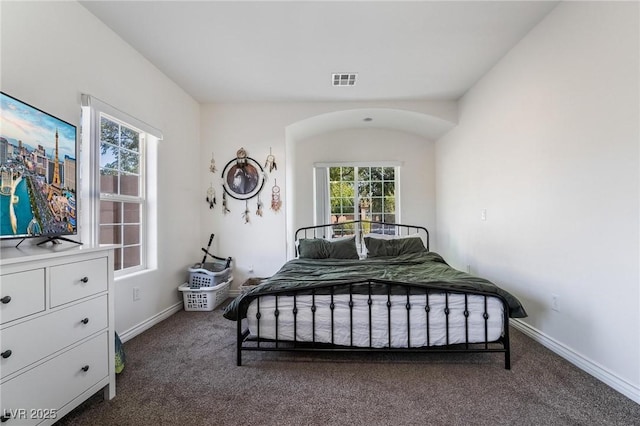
(344, 79)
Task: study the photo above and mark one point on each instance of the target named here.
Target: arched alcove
(414, 128)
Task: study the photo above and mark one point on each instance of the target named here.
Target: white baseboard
(150, 322)
(621, 385)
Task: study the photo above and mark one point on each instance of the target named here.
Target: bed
(371, 286)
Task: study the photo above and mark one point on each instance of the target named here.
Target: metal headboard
(359, 228)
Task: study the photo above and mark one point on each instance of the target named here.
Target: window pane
(130, 139)
(376, 173)
(376, 205)
(389, 205)
(110, 212)
(376, 189)
(347, 173)
(334, 174)
(364, 189)
(336, 205)
(131, 234)
(131, 256)
(129, 162)
(334, 189)
(363, 173)
(131, 213)
(348, 189)
(130, 185)
(108, 182)
(110, 234)
(108, 156)
(109, 131)
(389, 188)
(389, 173)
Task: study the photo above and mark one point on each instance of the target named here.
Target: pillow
(386, 237)
(378, 247)
(312, 248)
(344, 248)
(317, 248)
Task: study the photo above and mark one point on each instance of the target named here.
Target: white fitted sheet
(437, 335)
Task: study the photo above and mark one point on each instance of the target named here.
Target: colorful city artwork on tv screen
(37, 172)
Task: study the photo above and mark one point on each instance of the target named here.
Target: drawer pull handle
(84, 279)
(6, 354)
(85, 368)
(6, 299)
(85, 321)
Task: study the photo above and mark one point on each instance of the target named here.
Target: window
(362, 193)
(121, 208)
(350, 192)
(122, 197)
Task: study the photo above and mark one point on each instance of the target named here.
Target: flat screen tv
(38, 173)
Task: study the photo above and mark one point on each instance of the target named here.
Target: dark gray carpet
(183, 372)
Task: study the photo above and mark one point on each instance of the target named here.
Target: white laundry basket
(208, 274)
(204, 298)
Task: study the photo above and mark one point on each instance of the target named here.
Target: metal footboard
(370, 289)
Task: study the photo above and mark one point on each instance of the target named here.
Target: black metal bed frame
(247, 342)
(360, 228)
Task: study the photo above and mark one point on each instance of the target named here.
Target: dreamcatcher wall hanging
(211, 192)
(276, 201)
(242, 179)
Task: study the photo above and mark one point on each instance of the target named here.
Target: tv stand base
(57, 240)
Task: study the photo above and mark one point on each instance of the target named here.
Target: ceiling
(268, 51)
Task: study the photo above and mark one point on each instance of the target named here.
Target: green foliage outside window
(375, 198)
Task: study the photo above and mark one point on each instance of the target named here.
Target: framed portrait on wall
(242, 178)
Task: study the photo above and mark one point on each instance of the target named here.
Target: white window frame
(140, 199)
(93, 111)
(322, 194)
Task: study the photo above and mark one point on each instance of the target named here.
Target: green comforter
(426, 268)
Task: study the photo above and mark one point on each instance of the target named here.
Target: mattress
(388, 326)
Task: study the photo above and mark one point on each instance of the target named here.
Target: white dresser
(57, 338)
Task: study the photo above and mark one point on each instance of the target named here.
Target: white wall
(547, 143)
(261, 245)
(52, 52)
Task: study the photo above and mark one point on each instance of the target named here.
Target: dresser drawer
(22, 294)
(73, 281)
(33, 340)
(56, 382)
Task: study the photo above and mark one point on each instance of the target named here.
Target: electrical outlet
(136, 293)
(483, 214)
(555, 303)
